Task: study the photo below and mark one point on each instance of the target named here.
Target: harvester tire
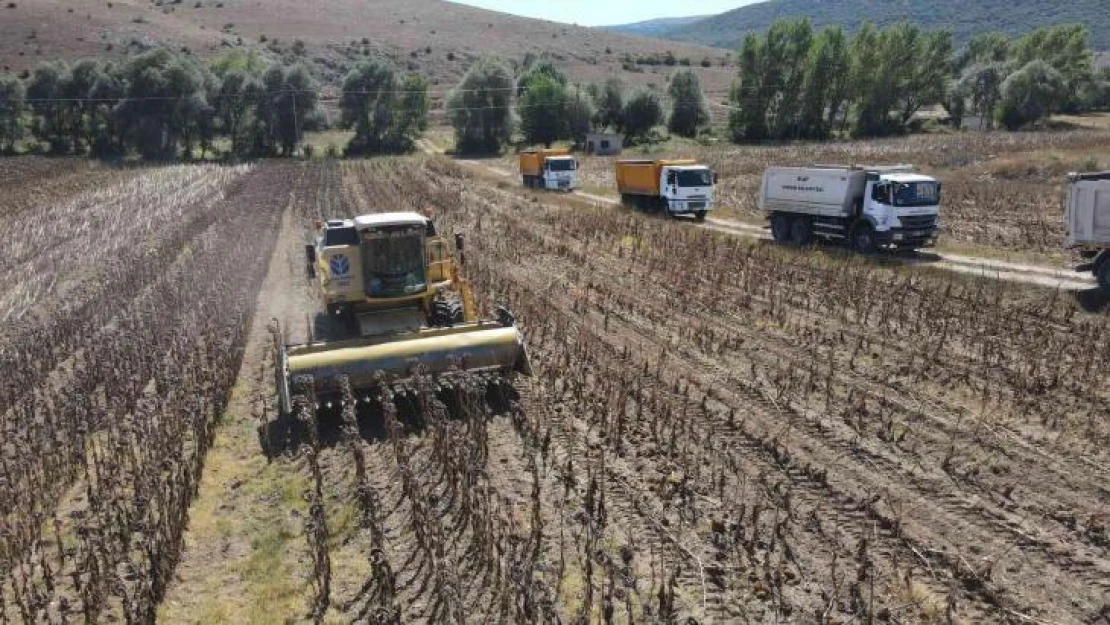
(447, 311)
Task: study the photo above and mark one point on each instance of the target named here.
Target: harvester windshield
(393, 261)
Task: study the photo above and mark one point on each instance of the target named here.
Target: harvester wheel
(447, 310)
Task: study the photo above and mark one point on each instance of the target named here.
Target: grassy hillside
(964, 19)
(656, 27)
(438, 39)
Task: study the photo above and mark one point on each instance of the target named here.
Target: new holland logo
(340, 266)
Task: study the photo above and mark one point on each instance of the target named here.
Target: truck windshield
(695, 178)
(393, 261)
(562, 164)
(916, 194)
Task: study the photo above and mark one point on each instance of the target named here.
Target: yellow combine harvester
(397, 288)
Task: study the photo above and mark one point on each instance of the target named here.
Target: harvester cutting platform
(397, 289)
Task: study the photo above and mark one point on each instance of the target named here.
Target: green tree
(238, 94)
(786, 49)
(12, 103)
(295, 106)
(984, 49)
(386, 113)
(870, 89)
(543, 108)
(748, 120)
(413, 106)
(1031, 94)
(78, 91)
(982, 84)
(642, 112)
(537, 70)
(285, 106)
(163, 98)
(610, 105)
(480, 108)
(688, 111)
(45, 95)
(826, 83)
(1067, 49)
(580, 114)
(927, 78)
(106, 93)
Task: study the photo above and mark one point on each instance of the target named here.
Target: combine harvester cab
(553, 168)
(396, 287)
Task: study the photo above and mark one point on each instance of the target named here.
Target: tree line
(548, 108)
(795, 83)
(164, 105)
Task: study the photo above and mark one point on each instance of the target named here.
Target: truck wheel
(1104, 275)
(699, 215)
(780, 228)
(801, 232)
(863, 239)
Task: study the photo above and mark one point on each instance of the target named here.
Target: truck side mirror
(716, 178)
(672, 178)
(310, 254)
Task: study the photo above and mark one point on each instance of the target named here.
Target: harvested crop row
(158, 377)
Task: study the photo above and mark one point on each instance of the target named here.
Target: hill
(964, 19)
(656, 27)
(436, 38)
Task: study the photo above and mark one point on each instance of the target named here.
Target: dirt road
(1038, 275)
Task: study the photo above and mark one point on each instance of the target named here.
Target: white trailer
(868, 206)
(1087, 217)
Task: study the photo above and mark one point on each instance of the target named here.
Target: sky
(606, 12)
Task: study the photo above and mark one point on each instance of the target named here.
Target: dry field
(1002, 191)
(717, 430)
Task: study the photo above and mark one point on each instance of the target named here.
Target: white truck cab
(560, 173)
(868, 206)
(686, 188)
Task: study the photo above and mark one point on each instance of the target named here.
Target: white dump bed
(1087, 214)
(830, 191)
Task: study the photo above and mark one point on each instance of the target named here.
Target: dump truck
(552, 168)
(1087, 219)
(677, 186)
(398, 292)
(866, 206)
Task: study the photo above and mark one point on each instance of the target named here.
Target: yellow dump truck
(550, 168)
(676, 186)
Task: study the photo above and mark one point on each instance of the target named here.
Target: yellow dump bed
(531, 161)
(641, 177)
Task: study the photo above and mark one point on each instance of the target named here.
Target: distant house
(603, 144)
